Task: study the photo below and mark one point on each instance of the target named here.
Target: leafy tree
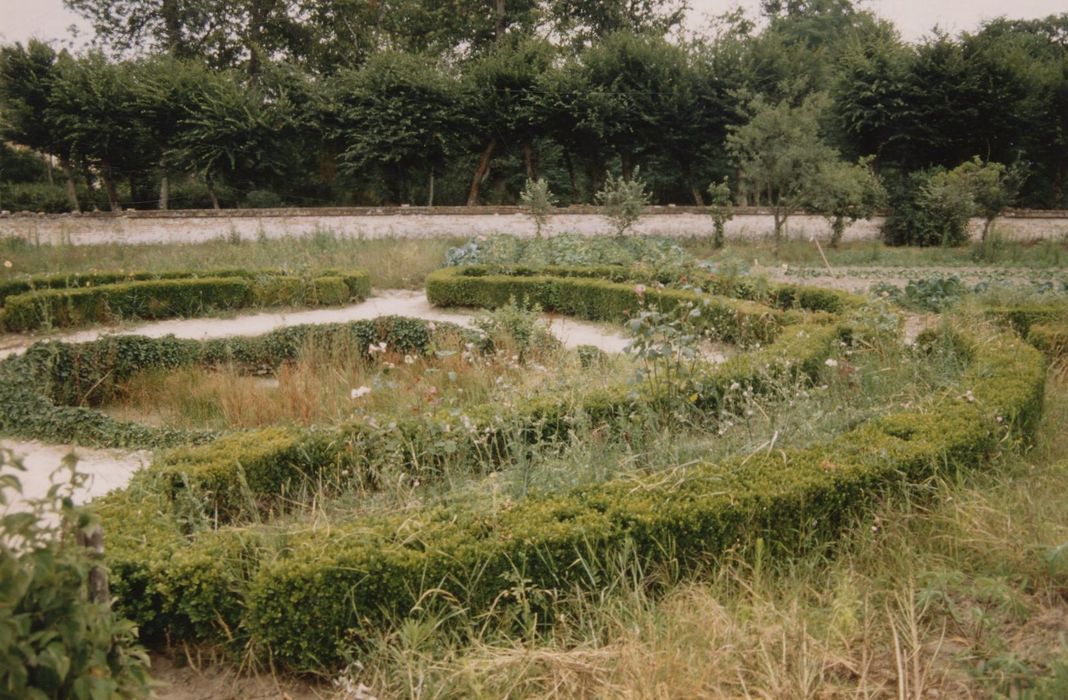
(778, 152)
(721, 209)
(583, 22)
(501, 102)
(94, 108)
(27, 75)
(397, 114)
(229, 131)
(538, 202)
(623, 201)
(992, 187)
(869, 95)
(843, 193)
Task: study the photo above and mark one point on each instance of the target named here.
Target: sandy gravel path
(393, 302)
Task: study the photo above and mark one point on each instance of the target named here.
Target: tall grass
(393, 263)
(957, 591)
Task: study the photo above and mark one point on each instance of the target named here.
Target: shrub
(1051, 339)
(55, 642)
(537, 202)
(721, 210)
(623, 201)
(928, 208)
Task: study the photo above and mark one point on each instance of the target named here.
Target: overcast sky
(49, 19)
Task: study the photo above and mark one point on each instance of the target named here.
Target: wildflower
(377, 348)
(639, 289)
(7, 264)
(359, 392)
(831, 362)
(409, 360)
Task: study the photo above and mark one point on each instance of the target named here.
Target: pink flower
(639, 289)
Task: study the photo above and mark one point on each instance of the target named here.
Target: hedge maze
(201, 550)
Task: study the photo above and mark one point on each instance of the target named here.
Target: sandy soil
(106, 469)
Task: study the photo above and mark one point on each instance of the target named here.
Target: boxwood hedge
(299, 593)
(58, 301)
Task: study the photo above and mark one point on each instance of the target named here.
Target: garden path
(109, 469)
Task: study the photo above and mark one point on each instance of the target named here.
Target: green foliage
(1051, 339)
(513, 327)
(570, 250)
(778, 152)
(936, 293)
(720, 208)
(844, 193)
(537, 202)
(60, 301)
(622, 201)
(928, 208)
(54, 641)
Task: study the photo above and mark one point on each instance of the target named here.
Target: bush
(788, 499)
(623, 201)
(927, 209)
(61, 301)
(1051, 339)
(55, 642)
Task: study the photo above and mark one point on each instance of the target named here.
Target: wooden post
(98, 576)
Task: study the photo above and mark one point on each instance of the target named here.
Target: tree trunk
(501, 24)
(528, 160)
(687, 177)
(48, 159)
(72, 190)
(164, 192)
(430, 189)
(570, 165)
(480, 172)
(627, 162)
(109, 187)
(211, 192)
(98, 576)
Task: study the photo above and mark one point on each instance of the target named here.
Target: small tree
(778, 151)
(844, 193)
(992, 186)
(623, 201)
(721, 209)
(537, 201)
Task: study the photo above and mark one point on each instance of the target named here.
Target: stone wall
(192, 226)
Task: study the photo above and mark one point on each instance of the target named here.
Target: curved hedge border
(196, 586)
(311, 588)
(611, 293)
(1045, 325)
(75, 300)
(1051, 339)
(44, 391)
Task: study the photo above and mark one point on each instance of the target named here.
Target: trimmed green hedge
(1021, 317)
(733, 320)
(299, 593)
(58, 301)
(49, 391)
(554, 288)
(1050, 338)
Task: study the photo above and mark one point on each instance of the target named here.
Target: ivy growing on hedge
(58, 301)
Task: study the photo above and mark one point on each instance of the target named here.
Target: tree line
(348, 102)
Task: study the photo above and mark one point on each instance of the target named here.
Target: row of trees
(277, 102)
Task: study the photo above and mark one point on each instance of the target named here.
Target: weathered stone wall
(192, 226)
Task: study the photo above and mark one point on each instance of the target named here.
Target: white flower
(409, 360)
(377, 347)
(8, 264)
(431, 326)
(359, 392)
(830, 362)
